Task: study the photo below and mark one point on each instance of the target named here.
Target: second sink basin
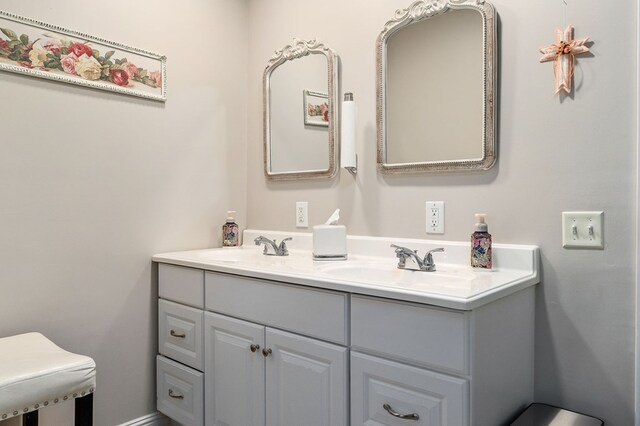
(389, 275)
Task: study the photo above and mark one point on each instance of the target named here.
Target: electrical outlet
(302, 214)
(583, 230)
(435, 217)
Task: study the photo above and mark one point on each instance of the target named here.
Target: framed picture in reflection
(316, 108)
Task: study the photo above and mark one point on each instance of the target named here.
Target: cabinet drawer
(180, 333)
(180, 284)
(316, 313)
(433, 399)
(180, 392)
(426, 336)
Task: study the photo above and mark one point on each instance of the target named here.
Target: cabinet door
(387, 393)
(306, 381)
(234, 379)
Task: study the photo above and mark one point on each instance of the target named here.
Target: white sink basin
(253, 258)
(390, 276)
(240, 254)
(228, 254)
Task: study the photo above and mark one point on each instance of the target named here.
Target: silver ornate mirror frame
(418, 11)
(296, 50)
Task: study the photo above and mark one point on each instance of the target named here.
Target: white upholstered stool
(35, 373)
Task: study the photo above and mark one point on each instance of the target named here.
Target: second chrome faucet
(426, 264)
(278, 250)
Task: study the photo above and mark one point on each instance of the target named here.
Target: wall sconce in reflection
(348, 157)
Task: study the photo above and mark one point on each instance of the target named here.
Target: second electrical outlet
(302, 214)
(435, 217)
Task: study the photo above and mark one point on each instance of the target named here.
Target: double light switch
(583, 230)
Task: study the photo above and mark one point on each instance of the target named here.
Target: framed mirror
(436, 88)
(300, 112)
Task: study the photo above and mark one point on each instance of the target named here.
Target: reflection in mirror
(436, 88)
(299, 103)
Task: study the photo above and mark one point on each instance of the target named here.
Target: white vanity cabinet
(245, 351)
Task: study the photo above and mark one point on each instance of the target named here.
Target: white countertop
(371, 268)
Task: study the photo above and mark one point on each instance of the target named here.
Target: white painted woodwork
(174, 321)
(427, 336)
(235, 391)
(182, 285)
(451, 367)
(312, 312)
(502, 358)
(180, 392)
(306, 381)
(438, 399)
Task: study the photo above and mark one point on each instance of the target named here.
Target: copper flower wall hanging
(563, 53)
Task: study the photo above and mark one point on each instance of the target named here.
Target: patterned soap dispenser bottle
(230, 231)
(481, 244)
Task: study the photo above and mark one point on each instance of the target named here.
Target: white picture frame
(37, 49)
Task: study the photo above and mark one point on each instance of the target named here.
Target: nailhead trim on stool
(46, 403)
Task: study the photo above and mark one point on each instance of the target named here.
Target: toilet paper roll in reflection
(348, 157)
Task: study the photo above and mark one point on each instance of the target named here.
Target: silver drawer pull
(254, 347)
(175, 395)
(174, 334)
(390, 410)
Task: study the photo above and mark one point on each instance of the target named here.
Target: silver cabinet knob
(267, 352)
(254, 347)
(394, 413)
(174, 334)
(175, 395)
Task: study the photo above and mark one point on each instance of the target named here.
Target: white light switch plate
(583, 230)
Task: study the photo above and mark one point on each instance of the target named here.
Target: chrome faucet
(278, 250)
(427, 264)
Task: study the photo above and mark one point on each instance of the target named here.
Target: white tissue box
(329, 242)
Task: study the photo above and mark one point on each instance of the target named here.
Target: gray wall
(553, 155)
(83, 209)
(93, 184)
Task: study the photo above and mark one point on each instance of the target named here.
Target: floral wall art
(34, 48)
(316, 108)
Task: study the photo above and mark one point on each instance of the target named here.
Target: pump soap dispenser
(481, 244)
(230, 231)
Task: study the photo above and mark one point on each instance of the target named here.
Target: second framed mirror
(436, 88)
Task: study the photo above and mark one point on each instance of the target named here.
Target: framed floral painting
(316, 108)
(41, 50)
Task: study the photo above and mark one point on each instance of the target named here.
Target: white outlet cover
(434, 213)
(583, 230)
(302, 214)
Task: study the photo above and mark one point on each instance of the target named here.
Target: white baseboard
(155, 419)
